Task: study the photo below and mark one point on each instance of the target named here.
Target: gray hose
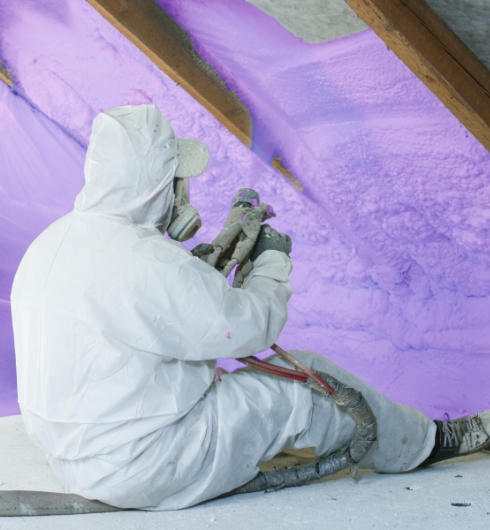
(348, 456)
(19, 503)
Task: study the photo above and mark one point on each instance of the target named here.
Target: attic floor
(417, 500)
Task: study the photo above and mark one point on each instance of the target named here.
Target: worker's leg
(246, 418)
(405, 435)
(255, 415)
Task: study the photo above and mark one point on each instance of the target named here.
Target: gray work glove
(270, 239)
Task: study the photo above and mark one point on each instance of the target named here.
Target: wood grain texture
(147, 25)
(422, 40)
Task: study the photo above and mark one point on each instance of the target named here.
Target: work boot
(459, 437)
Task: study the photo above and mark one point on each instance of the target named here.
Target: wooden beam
(5, 76)
(423, 41)
(147, 25)
(279, 166)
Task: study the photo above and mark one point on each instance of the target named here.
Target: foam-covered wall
(40, 172)
(391, 235)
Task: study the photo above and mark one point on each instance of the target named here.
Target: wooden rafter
(279, 166)
(5, 76)
(422, 40)
(147, 25)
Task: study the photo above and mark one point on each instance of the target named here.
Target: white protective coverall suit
(117, 329)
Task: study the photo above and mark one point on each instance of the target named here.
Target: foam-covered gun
(243, 237)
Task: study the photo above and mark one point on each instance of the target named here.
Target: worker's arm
(195, 315)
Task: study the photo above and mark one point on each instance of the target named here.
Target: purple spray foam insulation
(391, 245)
(41, 170)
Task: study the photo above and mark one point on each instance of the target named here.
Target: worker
(118, 328)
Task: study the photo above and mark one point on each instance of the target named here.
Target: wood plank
(279, 166)
(5, 76)
(147, 25)
(423, 41)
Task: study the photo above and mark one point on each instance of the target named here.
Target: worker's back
(91, 341)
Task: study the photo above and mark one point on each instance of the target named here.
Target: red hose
(274, 369)
(286, 372)
(303, 368)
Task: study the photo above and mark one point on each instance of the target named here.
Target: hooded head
(131, 162)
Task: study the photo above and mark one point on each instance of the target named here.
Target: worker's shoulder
(49, 240)
(154, 247)
(40, 254)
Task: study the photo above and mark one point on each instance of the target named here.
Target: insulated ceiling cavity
(391, 236)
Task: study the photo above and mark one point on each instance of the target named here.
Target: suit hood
(130, 166)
